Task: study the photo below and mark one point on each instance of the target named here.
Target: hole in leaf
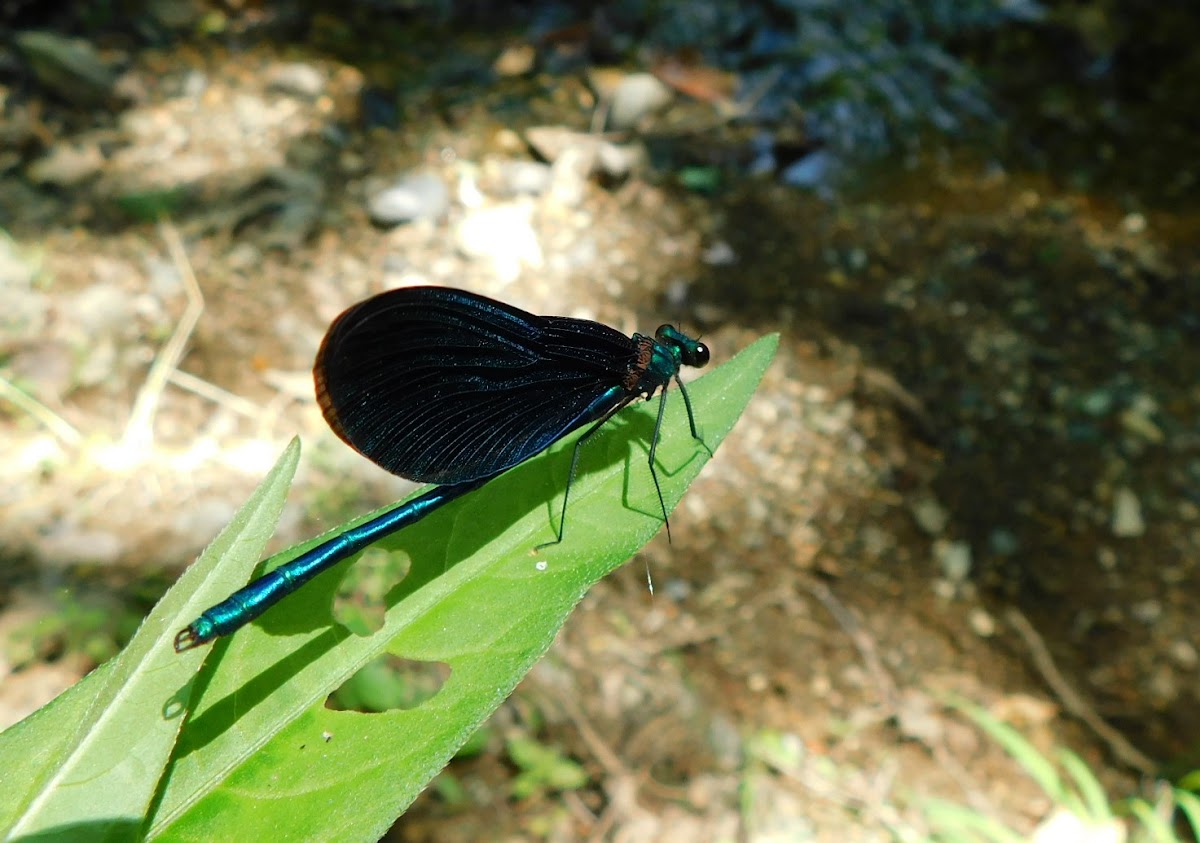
(388, 683)
(360, 604)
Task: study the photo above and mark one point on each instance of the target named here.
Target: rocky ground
(973, 471)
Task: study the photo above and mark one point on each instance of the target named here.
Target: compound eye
(699, 354)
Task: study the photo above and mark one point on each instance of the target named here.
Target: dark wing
(443, 386)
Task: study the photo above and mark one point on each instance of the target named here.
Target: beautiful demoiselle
(447, 387)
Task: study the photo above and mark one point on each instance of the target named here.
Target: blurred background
(972, 472)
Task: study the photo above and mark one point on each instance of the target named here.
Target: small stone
(415, 196)
(516, 60)
(1127, 520)
(813, 172)
(504, 235)
(954, 559)
(531, 178)
(1096, 403)
(930, 515)
(1134, 223)
(982, 623)
(944, 589)
(296, 79)
(1183, 653)
(1004, 542)
(1065, 827)
(719, 253)
(637, 96)
(102, 310)
(66, 165)
(1146, 611)
(551, 141)
(570, 173)
(1162, 687)
(918, 719)
(618, 160)
(1137, 419)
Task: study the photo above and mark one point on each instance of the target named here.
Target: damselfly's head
(691, 352)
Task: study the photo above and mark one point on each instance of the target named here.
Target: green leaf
(542, 768)
(1154, 827)
(477, 601)
(260, 755)
(954, 823)
(86, 766)
(1039, 768)
(1189, 805)
(1095, 801)
(152, 205)
(475, 598)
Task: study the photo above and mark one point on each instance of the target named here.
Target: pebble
(918, 720)
(102, 310)
(1127, 520)
(982, 623)
(1097, 402)
(516, 60)
(416, 196)
(930, 515)
(66, 165)
(1137, 419)
(1134, 224)
(530, 178)
(504, 235)
(719, 253)
(814, 171)
(618, 161)
(569, 177)
(1162, 687)
(1183, 653)
(1003, 542)
(636, 97)
(954, 558)
(588, 153)
(1062, 826)
(296, 79)
(1147, 611)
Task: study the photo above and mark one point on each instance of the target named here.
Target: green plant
(1081, 806)
(542, 767)
(235, 741)
(91, 625)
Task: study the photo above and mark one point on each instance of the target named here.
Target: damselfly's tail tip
(187, 639)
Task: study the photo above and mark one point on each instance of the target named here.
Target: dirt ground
(972, 471)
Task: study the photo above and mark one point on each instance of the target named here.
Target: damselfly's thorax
(659, 358)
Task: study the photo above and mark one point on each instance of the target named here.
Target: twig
(214, 393)
(57, 425)
(1072, 700)
(139, 432)
(599, 748)
(861, 639)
